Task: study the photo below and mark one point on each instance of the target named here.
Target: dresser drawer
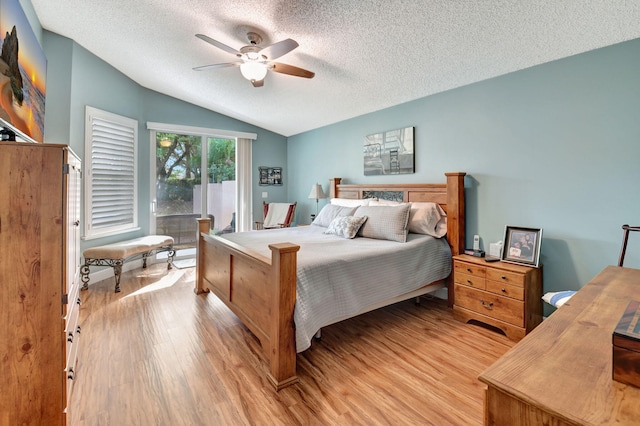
(490, 304)
(70, 371)
(506, 277)
(470, 280)
(72, 337)
(468, 269)
(73, 303)
(72, 332)
(512, 291)
(71, 328)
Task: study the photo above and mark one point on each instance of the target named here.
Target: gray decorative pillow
(346, 226)
(330, 212)
(385, 222)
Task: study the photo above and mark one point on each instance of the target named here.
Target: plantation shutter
(112, 194)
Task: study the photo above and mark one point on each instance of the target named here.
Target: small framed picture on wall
(270, 176)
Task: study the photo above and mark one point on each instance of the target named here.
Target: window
(110, 174)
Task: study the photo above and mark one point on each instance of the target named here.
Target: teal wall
(77, 78)
(554, 146)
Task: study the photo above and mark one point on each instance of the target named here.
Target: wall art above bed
(389, 153)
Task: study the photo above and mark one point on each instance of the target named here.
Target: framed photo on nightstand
(522, 245)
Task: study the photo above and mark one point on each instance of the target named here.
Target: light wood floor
(157, 354)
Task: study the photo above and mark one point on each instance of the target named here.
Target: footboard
(259, 290)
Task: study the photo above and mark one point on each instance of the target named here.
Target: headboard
(449, 195)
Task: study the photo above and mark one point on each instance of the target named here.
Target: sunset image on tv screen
(23, 69)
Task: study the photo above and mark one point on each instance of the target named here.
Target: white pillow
(385, 222)
(428, 218)
(345, 226)
(382, 202)
(350, 202)
(330, 212)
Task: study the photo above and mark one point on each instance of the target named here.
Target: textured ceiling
(367, 55)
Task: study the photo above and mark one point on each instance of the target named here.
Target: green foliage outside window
(178, 166)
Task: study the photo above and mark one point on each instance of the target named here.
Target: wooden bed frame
(262, 291)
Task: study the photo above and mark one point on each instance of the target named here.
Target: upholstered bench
(117, 254)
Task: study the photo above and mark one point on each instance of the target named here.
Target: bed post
(455, 219)
(333, 187)
(204, 225)
(455, 211)
(282, 353)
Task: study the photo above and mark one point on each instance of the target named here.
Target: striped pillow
(330, 212)
(385, 222)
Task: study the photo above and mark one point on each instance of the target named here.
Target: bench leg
(84, 271)
(144, 258)
(170, 257)
(117, 271)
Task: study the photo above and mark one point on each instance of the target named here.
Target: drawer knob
(469, 270)
(503, 277)
(488, 305)
(79, 301)
(504, 290)
(70, 338)
(71, 374)
(469, 282)
(78, 329)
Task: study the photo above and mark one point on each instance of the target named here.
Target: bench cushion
(128, 248)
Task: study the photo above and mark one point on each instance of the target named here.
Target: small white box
(495, 249)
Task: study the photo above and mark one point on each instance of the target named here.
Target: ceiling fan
(254, 61)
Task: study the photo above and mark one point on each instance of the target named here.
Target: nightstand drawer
(505, 277)
(468, 269)
(489, 304)
(470, 280)
(512, 291)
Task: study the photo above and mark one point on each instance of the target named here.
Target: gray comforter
(339, 277)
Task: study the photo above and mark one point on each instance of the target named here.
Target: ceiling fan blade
(223, 65)
(291, 70)
(278, 49)
(257, 83)
(219, 45)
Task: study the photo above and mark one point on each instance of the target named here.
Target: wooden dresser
(561, 373)
(39, 281)
(504, 295)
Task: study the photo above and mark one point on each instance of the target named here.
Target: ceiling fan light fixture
(253, 71)
(255, 61)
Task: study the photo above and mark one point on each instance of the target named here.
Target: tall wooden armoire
(39, 281)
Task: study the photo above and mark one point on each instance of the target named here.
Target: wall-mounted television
(23, 72)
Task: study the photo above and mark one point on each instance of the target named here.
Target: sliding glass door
(195, 176)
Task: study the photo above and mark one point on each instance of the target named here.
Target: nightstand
(504, 295)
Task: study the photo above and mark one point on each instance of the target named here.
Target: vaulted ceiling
(367, 55)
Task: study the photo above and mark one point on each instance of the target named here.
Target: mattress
(338, 277)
